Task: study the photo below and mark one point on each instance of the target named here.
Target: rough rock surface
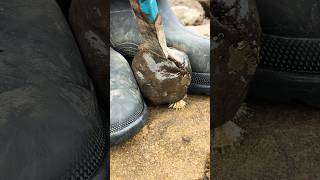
(206, 6)
(189, 12)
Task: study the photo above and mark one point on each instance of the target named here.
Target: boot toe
(127, 108)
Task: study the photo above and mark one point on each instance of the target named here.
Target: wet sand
(281, 142)
(172, 145)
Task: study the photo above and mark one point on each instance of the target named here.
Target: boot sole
(289, 71)
(132, 125)
(200, 83)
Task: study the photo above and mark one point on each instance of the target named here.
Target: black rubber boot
(64, 6)
(128, 111)
(88, 19)
(235, 49)
(290, 54)
(125, 38)
(50, 124)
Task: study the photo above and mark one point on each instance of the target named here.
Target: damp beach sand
(281, 142)
(172, 145)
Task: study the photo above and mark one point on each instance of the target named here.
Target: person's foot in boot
(127, 108)
(128, 111)
(290, 64)
(125, 38)
(50, 123)
(235, 49)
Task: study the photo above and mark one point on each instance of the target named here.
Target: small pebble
(186, 139)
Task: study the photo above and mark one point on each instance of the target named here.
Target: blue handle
(150, 8)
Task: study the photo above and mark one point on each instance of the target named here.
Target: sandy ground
(281, 142)
(172, 145)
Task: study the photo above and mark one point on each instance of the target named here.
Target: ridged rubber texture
(134, 123)
(89, 160)
(200, 83)
(289, 71)
(133, 117)
(297, 55)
